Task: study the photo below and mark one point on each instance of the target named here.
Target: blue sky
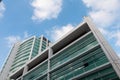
(20, 19)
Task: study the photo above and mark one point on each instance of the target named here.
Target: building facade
(22, 53)
(82, 54)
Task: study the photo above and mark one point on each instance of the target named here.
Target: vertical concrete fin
(109, 52)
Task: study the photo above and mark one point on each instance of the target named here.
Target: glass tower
(26, 51)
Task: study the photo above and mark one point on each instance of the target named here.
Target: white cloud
(104, 19)
(118, 39)
(116, 36)
(15, 38)
(12, 39)
(56, 33)
(46, 9)
(26, 35)
(103, 31)
(2, 9)
(103, 12)
(118, 55)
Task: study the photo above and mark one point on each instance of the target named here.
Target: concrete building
(21, 53)
(82, 54)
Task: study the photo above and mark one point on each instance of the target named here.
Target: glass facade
(76, 49)
(36, 47)
(44, 45)
(28, 50)
(39, 71)
(22, 55)
(105, 74)
(83, 56)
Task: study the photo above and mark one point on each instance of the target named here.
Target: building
(21, 53)
(82, 54)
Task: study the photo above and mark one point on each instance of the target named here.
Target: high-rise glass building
(24, 51)
(82, 54)
(27, 50)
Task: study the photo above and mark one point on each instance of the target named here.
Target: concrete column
(40, 46)
(25, 69)
(50, 53)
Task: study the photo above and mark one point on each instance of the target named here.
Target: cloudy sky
(20, 19)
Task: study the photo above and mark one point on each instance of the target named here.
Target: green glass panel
(105, 74)
(37, 72)
(77, 67)
(74, 50)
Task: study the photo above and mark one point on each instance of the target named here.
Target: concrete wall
(6, 68)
